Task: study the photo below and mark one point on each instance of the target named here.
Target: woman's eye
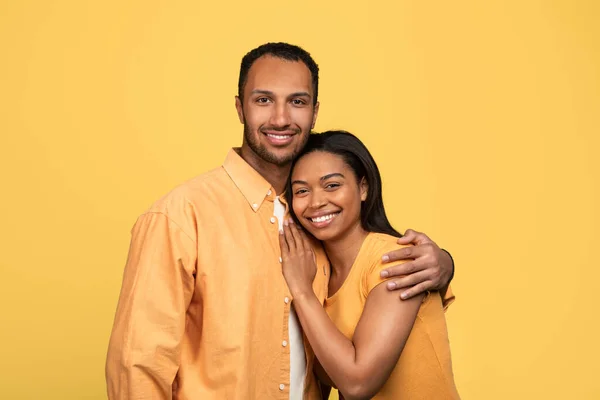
(300, 191)
(332, 185)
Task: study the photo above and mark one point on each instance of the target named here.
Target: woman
(367, 344)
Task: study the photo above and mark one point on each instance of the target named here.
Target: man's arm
(430, 268)
(158, 283)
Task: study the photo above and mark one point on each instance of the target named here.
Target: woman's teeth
(323, 218)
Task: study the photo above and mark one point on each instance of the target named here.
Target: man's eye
(298, 102)
(262, 100)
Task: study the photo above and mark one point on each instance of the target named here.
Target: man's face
(277, 109)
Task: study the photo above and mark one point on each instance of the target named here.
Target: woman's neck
(343, 251)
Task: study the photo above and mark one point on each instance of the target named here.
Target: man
(204, 311)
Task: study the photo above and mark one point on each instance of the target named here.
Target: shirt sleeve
(158, 283)
(371, 276)
(448, 298)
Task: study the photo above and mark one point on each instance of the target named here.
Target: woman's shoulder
(382, 242)
(375, 247)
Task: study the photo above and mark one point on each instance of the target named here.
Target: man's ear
(364, 189)
(315, 115)
(239, 108)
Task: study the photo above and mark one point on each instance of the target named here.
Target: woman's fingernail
(385, 258)
(391, 285)
(404, 295)
(384, 274)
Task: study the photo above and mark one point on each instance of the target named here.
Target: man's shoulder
(214, 179)
(194, 191)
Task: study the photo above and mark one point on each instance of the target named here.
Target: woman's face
(326, 195)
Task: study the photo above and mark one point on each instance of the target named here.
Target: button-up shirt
(204, 308)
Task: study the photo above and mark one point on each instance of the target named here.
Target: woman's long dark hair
(357, 156)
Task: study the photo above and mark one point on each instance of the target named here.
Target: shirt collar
(253, 186)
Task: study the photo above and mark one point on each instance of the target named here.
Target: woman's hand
(298, 260)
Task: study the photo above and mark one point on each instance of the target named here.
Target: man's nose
(281, 116)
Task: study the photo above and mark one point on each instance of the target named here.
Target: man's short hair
(284, 51)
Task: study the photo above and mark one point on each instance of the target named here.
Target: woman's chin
(316, 233)
(322, 234)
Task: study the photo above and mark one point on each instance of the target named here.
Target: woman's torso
(424, 370)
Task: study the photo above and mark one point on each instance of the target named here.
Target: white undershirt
(297, 356)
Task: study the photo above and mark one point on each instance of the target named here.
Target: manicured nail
(384, 274)
(404, 295)
(286, 222)
(281, 231)
(385, 258)
(291, 221)
(391, 285)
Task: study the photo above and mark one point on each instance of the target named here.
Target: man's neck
(276, 175)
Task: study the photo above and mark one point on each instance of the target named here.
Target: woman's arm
(361, 366)
(322, 375)
(358, 367)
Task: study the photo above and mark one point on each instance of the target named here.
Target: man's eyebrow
(261, 91)
(270, 93)
(300, 94)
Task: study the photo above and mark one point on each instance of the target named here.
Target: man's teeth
(323, 218)
(278, 136)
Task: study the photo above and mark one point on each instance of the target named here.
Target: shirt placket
(283, 387)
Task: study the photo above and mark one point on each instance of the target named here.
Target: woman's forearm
(335, 352)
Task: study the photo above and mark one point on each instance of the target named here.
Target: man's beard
(265, 155)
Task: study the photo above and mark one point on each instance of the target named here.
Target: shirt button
(281, 387)
(284, 343)
(273, 220)
(255, 206)
(286, 300)
(280, 259)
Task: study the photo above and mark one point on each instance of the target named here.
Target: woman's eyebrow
(323, 178)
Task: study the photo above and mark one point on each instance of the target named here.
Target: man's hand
(430, 269)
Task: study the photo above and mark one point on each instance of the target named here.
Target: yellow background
(483, 116)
